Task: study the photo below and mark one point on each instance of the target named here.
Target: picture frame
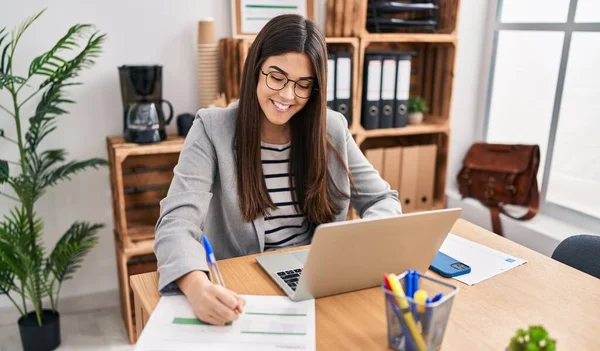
(249, 16)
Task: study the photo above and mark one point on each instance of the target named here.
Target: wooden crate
(432, 76)
(140, 176)
(446, 15)
(441, 140)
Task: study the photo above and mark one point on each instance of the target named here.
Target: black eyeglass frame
(314, 88)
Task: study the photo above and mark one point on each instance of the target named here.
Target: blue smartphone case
(447, 266)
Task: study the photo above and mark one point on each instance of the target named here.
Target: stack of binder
(401, 16)
(410, 170)
(339, 83)
(386, 87)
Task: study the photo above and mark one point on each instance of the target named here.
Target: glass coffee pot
(146, 122)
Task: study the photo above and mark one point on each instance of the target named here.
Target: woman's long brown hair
(308, 154)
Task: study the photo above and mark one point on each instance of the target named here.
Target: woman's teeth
(280, 107)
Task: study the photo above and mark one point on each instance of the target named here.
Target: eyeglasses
(303, 88)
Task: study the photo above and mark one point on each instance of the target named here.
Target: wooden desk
(484, 316)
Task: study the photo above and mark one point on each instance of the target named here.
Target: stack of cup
(208, 62)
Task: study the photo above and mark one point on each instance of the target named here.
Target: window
(544, 88)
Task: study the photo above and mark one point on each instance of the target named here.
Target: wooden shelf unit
(139, 176)
(432, 74)
(432, 77)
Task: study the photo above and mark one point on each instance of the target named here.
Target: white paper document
(267, 323)
(484, 262)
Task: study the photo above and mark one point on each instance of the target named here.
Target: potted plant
(27, 271)
(535, 338)
(416, 108)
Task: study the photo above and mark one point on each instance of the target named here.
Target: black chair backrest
(581, 252)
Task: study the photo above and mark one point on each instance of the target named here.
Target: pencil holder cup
(418, 326)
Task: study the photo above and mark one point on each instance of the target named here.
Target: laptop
(353, 255)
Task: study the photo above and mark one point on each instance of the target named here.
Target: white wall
(465, 121)
(139, 32)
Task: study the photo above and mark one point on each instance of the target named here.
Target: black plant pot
(36, 338)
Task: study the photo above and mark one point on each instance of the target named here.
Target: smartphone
(447, 266)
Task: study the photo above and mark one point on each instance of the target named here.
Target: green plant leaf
(537, 333)
(7, 79)
(85, 59)
(416, 104)
(67, 170)
(17, 252)
(3, 171)
(26, 24)
(3, 55)
(69, 251)
(7, 278)
(59, 72)
(3, 67)
(23, 185)
(47, 63)
(39, 165)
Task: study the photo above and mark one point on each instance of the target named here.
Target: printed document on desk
(484, 261)
(267, 323)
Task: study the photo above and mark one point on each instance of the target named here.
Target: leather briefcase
(500, 174)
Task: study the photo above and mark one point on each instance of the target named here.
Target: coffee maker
(143, 117)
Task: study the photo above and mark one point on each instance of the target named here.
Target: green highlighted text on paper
(196, 321)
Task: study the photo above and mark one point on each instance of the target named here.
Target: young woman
(264, 172)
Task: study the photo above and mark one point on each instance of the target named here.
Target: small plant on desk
(27, 271)
(536, 338)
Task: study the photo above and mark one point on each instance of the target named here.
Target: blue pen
(437, 297)
(210, 257)
(409, 283)
(415, 283)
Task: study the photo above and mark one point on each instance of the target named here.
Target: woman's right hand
(212, 303)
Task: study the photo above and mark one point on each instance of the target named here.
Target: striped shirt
(284, 226)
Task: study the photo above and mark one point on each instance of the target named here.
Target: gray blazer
(203, 199)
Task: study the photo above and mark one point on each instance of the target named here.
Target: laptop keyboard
(291, 277)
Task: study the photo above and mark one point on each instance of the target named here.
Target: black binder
(402, 89)
(388, 88)
(343, 84)
(331, 80)
(371, 91)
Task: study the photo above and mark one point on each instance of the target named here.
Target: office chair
(581, 252)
